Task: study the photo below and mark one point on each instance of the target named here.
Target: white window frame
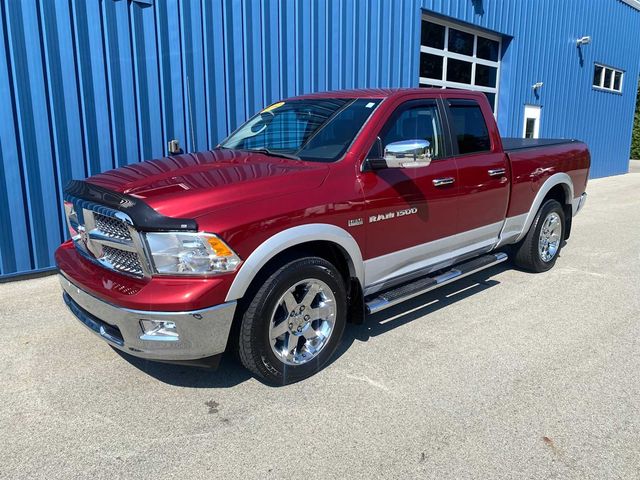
(532, 112)
(601, 85)
(473, 59)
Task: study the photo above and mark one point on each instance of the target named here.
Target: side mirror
(408, 154)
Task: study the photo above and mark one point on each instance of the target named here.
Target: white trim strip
(462, 86)
(463, 28)
(435, 254)
(459, 56)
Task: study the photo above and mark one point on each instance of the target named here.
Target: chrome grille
(122, 260)
(107, 237)
(111, 227)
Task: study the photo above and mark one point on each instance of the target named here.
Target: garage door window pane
(458, 71)
(488, 49)
(430, 66)
(433, 35)
(460, 42)
(492, 100)
(486, 76)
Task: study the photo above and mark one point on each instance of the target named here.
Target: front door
(410, 212)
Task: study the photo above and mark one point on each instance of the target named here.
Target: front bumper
(201, 333)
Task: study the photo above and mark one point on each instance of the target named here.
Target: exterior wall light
(583, 41)
(537, 86)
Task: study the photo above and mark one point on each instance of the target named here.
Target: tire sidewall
(548, 207)
(280, 282)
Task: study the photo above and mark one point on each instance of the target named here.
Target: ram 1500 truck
(318, 210)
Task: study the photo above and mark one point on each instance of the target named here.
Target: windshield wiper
(266, 151)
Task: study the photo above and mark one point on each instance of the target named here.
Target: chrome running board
(388, 298)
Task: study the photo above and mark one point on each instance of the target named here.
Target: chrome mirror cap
(408, 154)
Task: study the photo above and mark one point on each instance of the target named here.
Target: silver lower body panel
(201, 333)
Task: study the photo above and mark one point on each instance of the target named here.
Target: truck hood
(191, 185)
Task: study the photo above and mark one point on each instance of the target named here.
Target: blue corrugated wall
(88, 85)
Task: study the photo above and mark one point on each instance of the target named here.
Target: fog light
(158, 330)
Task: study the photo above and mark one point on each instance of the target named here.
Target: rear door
(483, 173)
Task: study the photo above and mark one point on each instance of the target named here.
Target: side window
(421, 122)
(469, 127)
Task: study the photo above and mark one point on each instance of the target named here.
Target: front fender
(291, 237)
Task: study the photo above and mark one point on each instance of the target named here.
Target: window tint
(460, 42)
(617, 81)
(432, 35)
(458, 71)
(421, 122)
(488, 49)
(469, 126)
(336, 136)
(431, 66)
(486, 76)
(315, 129)
(529, 127)
(607, 78)
(492, 99)
(597, 76)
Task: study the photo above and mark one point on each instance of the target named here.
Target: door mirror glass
(408, 154)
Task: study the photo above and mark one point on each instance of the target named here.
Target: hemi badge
(355, 222)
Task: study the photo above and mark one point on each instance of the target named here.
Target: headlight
(191, 253)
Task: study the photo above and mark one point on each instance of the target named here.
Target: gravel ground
(504, 375)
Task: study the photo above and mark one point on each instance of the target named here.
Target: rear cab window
(469, 127)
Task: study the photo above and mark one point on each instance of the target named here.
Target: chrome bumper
(578, 203)
(201, 333)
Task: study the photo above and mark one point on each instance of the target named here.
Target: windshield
(316, 130)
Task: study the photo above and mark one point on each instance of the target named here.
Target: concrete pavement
(503, 375)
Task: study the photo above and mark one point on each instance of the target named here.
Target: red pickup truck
(317, 211)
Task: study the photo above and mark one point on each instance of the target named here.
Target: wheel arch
(558, 186)
(325, 239)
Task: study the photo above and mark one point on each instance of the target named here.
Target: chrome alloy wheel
(302, 321)
(550, 237)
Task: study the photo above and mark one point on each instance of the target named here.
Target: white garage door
(454, 56)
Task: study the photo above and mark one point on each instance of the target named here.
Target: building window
(607, 78)
(458, 57)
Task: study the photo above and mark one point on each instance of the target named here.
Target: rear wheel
(294, 322)
(541, 246)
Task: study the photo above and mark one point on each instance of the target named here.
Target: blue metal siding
(87, 86)
(542, 48)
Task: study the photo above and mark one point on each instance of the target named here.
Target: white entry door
(531, 126)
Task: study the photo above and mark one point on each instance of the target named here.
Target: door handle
(497, 172)
(440, 182)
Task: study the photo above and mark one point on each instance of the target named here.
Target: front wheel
(541, 246)
(295, 321)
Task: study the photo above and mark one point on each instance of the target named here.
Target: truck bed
(510, 144)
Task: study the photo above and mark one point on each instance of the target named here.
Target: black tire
(528, 255)
(254, 345)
